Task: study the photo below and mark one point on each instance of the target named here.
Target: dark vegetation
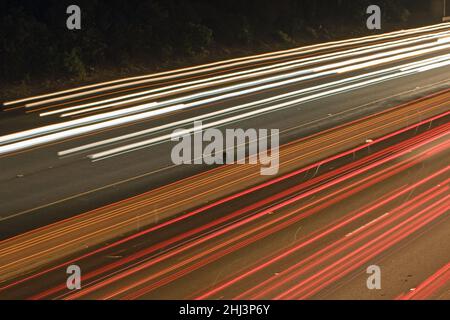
(132, 37)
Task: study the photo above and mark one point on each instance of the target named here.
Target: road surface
(87, 178)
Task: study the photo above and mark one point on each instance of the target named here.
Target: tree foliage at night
(36, 42)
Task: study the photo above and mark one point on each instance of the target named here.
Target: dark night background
(133, 37)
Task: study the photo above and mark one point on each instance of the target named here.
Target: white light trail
(46, 134)
(242, 75)
(79, 131)
(219, 65)
(277, 81)
(70, 124)
(444, 40)
(418, 66)
(98, 118)
(147, 143)
(144, 144)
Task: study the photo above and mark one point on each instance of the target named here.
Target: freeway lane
(302, 234)
(40, 177)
